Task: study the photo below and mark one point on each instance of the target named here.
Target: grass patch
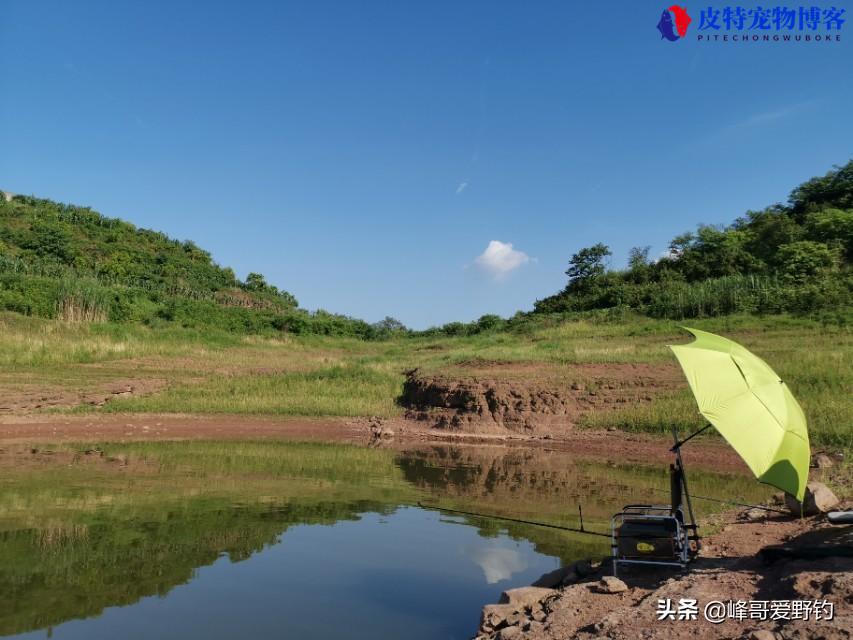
(347, 390)
(217, 372)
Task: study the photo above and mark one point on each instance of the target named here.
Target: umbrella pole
(680, 464)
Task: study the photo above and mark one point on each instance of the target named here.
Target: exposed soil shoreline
(606, 445)
(730, 568)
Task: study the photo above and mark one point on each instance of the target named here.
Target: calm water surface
(216, 540)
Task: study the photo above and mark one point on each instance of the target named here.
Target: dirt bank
(530, 399)
(56, 428)
(728, 569)
(613, 446)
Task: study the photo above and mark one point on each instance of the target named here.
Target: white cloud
(497, 563)
(462, 186)
(500, 258)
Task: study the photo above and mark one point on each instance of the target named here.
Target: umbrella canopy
(751, 407)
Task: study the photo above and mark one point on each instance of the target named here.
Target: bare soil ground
(26, 397)
(729, 568)
(604, 445)
(58, 428)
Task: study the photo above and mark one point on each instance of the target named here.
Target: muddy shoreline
(606, 445)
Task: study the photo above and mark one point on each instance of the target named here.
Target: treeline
(793, 257)
(72, 263)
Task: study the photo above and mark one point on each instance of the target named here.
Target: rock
(822, 461)
(762, 634)
(525, 596)
(609, 621)
(494, 616)
(754, 514)
(508, 632)
(533, 626)
(516, 618)
(611, 584)
(818, 499)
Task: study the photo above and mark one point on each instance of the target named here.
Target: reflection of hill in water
(48, 577)
(60, 561)
(548, 486)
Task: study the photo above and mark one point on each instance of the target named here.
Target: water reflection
(317, 541)
(497, 562)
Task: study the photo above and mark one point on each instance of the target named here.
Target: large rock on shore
(525, 596)
(818, 499)
(494, 616)
(611, 584)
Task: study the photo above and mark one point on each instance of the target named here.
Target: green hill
(794, 257)
(68, 262)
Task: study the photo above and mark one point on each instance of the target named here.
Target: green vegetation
(72, 263)
(786, 258)
(105, 301)
(218, 372)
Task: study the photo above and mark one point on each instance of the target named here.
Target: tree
(288, 299)
(389, 325)
(799, 261)
(833, 227)
(50, 241)
(835, 189)
(256, 282)
(768, 230)
(638, 257)
(489, 322)
(587, 265)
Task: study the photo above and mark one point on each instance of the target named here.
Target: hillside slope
(793, 257)
(69, 262)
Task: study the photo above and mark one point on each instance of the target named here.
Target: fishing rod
(731, 502)
(518, 521)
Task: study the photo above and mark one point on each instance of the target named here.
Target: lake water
(224, 540)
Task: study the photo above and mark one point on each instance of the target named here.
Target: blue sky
(363, 155)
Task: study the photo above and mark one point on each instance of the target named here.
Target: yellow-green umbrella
(751, 407)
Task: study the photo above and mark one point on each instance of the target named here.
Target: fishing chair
(654, 534)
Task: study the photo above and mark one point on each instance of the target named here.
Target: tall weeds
(82, 301)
